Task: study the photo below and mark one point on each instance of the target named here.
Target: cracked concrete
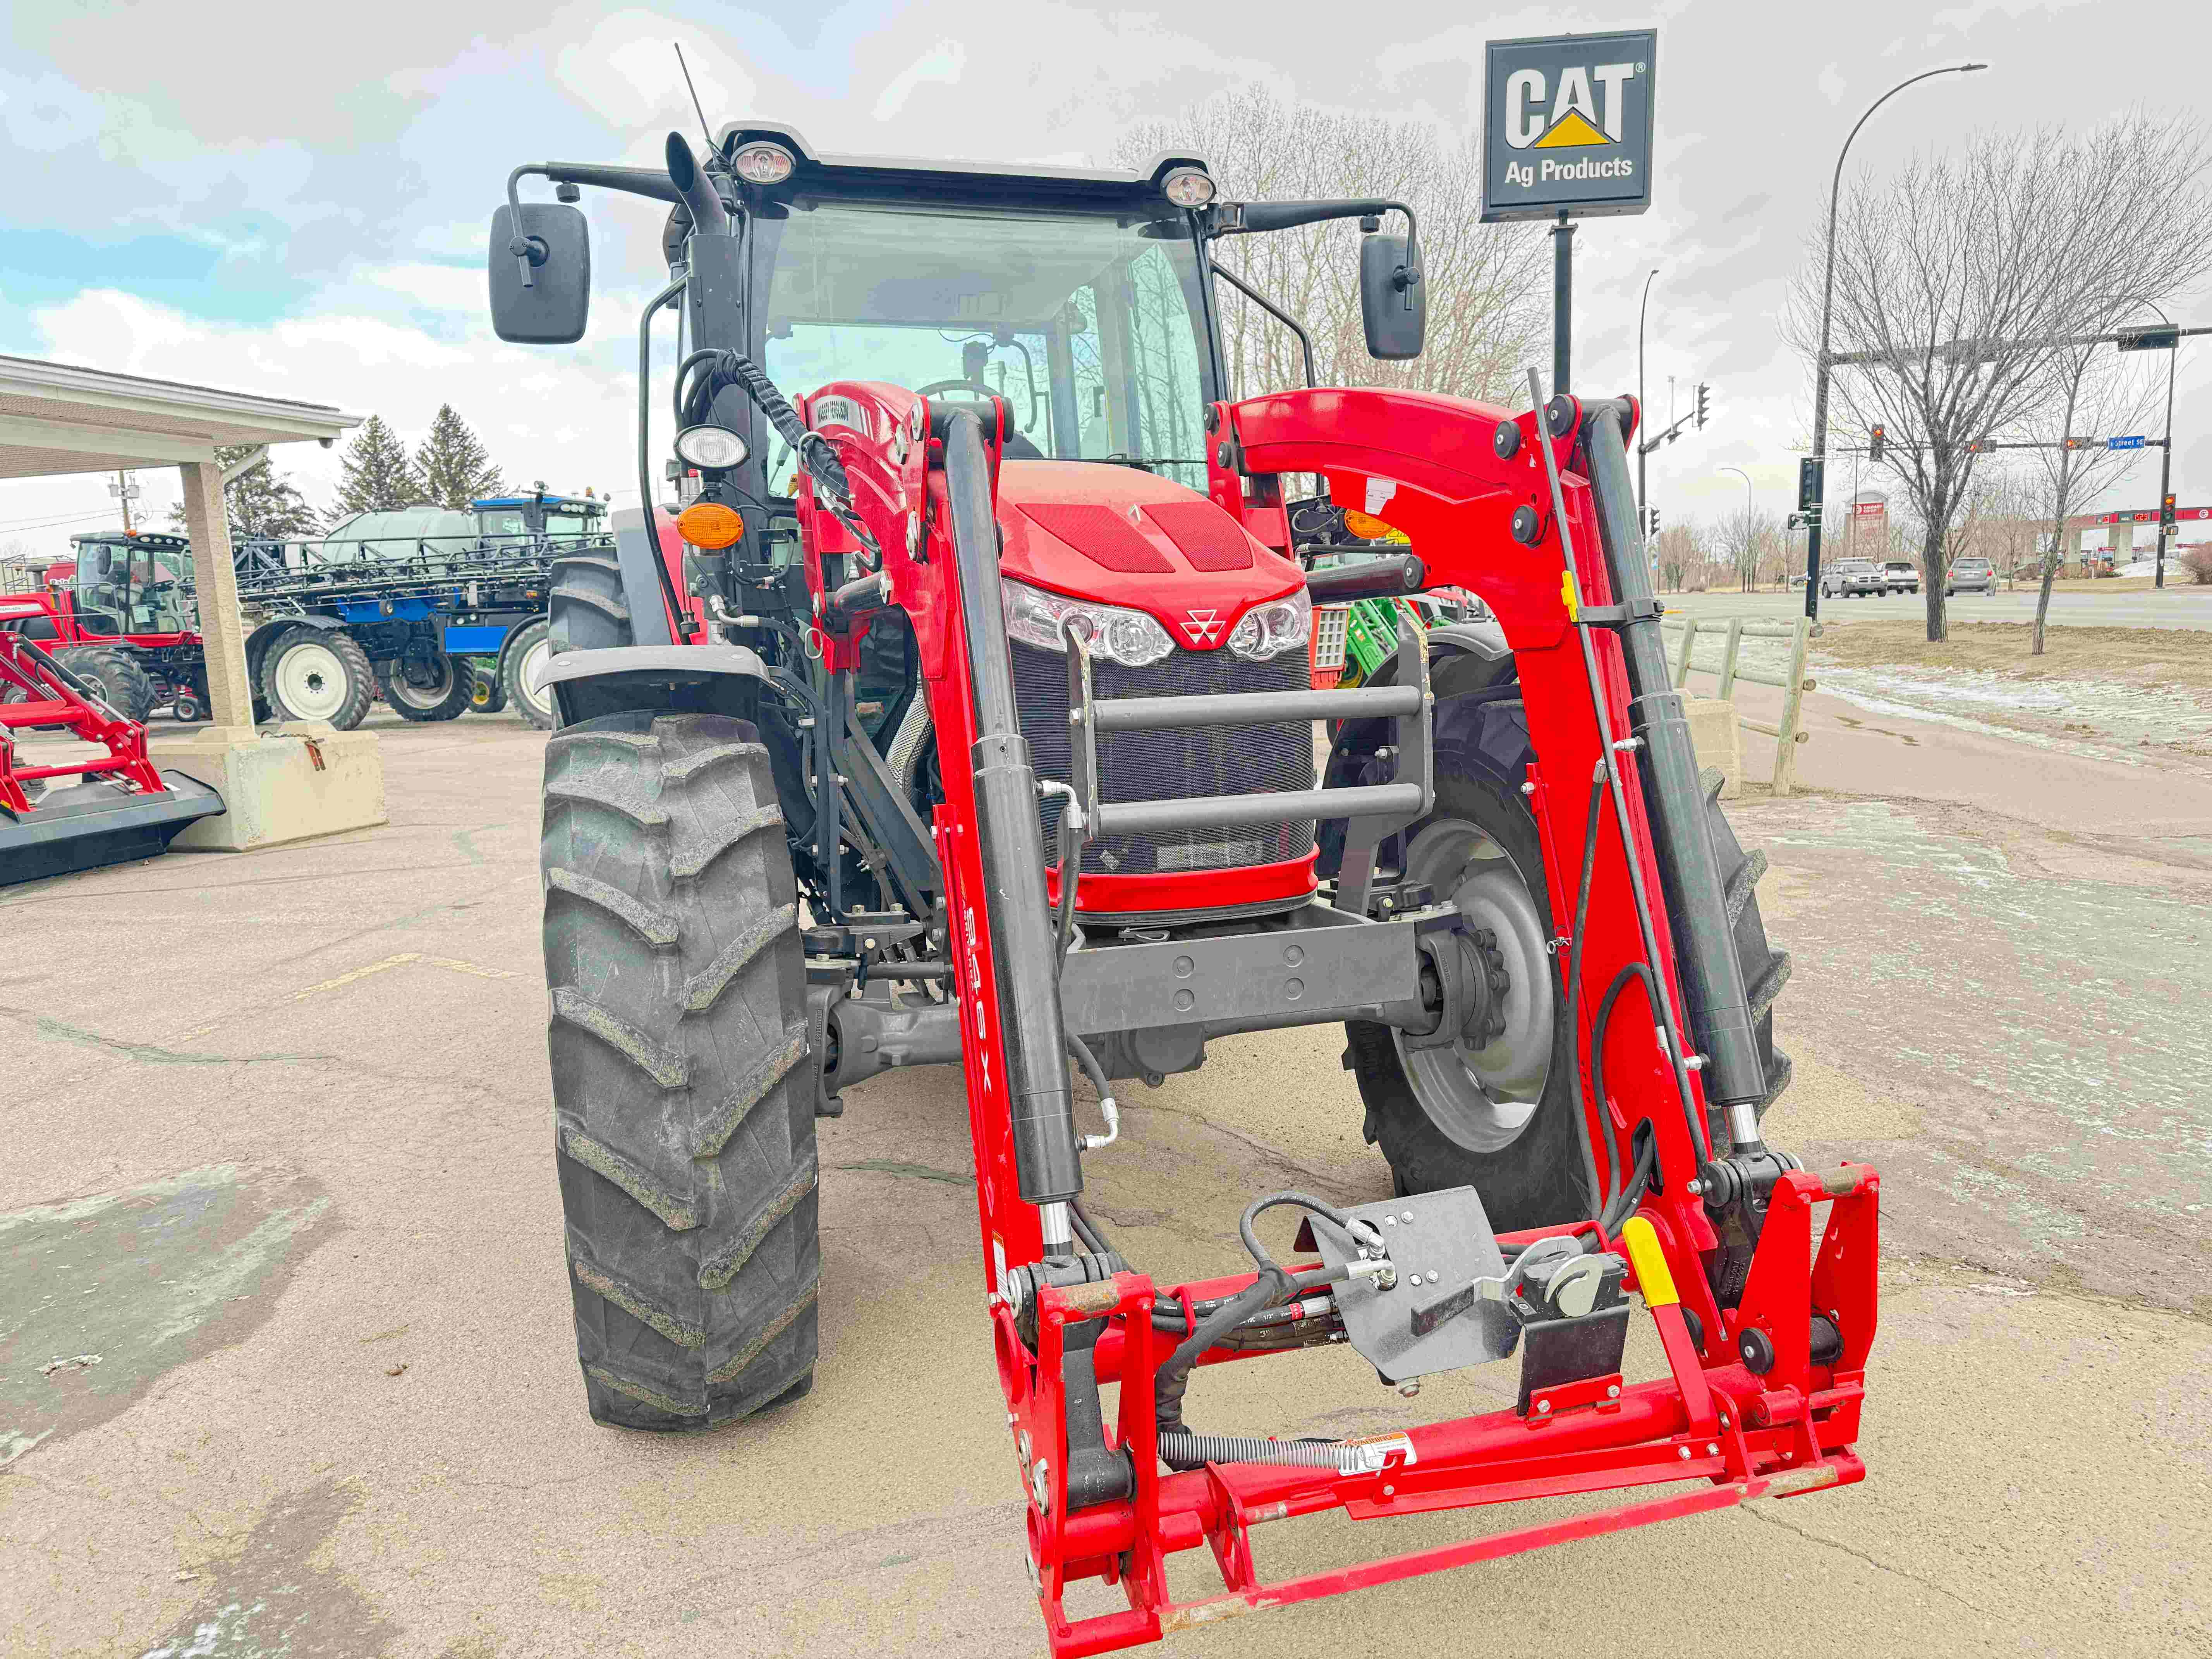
(2035, 1437)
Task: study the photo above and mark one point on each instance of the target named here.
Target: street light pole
(1642, 497)
(1746, 476)
(1827, 302)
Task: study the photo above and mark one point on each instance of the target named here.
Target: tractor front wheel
(1500, 1116)
(683, 1093)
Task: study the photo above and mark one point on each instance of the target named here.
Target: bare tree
(1960, 276)
(1488, 299)
(1751, 537)
(2094, 394)
(1677, 551)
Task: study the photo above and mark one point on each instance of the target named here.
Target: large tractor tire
(520, 668)
(589, 608)
(683, 1094)
(445, 696)
(115, 676)
(1501, 1118)
(316, 674)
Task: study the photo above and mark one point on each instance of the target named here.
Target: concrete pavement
(280, 1199)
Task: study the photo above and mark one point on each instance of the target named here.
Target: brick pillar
(215, 585)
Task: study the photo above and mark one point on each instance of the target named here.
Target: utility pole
(124, 490)
(1827, 302)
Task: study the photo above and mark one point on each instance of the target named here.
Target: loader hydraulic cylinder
(1711, 976)
(1010, 842)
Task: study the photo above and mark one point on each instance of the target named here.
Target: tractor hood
(1123, 535)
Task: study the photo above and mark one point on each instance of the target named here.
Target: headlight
(1268, 630)
(1036, 617)
(762, 163)
(710, 448)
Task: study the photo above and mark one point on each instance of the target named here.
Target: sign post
(1567, 134)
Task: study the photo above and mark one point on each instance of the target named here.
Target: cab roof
(1107, 188)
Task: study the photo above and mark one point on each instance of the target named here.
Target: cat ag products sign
(1567, 125)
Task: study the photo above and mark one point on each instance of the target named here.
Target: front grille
(1170, 765)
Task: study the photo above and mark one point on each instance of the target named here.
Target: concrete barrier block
(285, 783)
(1717, 739)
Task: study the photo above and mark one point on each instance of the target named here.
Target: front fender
(718, 678)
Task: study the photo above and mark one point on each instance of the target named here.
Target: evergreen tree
(261, 506)
(374, 474)
(453, 468)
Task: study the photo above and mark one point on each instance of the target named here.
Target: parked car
(1851, 578)
(1900, 576)
(1970, 576)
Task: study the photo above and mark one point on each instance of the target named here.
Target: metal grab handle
(1268, 806)
(1398, 572)
(1254, 707)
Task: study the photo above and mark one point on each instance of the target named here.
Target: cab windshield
(1089, 325)
(122, 590)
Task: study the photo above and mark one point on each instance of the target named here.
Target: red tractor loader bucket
(116, 805)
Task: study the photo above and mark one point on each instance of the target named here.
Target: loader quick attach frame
(1765, 1334)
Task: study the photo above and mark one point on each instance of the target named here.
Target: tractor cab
(502, 518)
(135, 585)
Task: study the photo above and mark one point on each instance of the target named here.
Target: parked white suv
(1849, 578)
(1900, 576)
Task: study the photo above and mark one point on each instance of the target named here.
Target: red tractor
(968, 723)
(120, 616)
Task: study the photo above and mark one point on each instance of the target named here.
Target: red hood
(1122, 535)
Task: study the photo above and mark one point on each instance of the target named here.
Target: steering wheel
(975, 387)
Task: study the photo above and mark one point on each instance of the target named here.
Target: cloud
(943, 63)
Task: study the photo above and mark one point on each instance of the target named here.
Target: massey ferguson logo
(1204, 626)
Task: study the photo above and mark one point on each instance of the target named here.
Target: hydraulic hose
(1600, 1192)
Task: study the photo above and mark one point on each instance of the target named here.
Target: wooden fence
(1793, 684)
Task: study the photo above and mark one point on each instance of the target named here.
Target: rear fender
(709, 679)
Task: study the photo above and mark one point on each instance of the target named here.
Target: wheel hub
(311, 682)
(1480, 1088)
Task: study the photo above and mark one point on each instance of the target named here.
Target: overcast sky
(294, 201)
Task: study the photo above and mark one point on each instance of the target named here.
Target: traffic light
(1875, 441)
(1704, 393)
(2166, 512)
(1977, 446)
(2077, 443)
(1655, 516)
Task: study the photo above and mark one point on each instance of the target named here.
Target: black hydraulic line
(680, 619)
(1599, 1190)
(1040, 1095)
(1711, 975)
(1173, 1378)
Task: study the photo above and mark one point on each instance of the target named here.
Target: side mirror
(540, 265)
(1393, 302)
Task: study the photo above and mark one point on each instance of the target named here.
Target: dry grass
(2168, 657)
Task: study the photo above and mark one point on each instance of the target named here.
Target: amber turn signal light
(709, 524)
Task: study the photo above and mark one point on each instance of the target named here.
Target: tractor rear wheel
(116, 676)
(316, 674)
(1501, 1118)
(521, 667)
(443, 696)
(683, 1104)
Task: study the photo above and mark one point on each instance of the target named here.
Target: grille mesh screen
(1234, 760)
